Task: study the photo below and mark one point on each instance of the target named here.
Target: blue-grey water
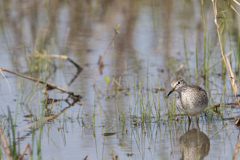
(145, 56)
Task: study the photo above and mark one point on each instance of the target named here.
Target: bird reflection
(194, 144)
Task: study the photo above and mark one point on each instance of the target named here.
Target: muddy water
(144, 57)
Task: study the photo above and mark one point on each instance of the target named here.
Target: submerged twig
(79, 68)
(49, 85)
(85, 157)
(45, 119)
(24, 150)
(62, 57)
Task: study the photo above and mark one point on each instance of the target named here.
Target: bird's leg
(189, 122)
(189, 119)
(197, 119)
(197, 122)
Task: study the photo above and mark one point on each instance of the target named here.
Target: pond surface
(130, 117)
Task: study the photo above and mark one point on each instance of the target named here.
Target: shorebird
(192, 99)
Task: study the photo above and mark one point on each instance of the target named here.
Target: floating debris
(159, 90)
(109, 134)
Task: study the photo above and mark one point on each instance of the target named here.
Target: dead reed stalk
(225, 59)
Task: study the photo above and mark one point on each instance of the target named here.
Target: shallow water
(144, 57)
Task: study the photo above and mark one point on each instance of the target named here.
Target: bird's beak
(171, 91)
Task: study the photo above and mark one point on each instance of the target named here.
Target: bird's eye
(179, 82)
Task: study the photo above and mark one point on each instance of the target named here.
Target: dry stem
(49, 85)
(5, 148)
(227, 64)
(24, 150)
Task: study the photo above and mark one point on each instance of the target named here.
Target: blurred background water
(156, 38)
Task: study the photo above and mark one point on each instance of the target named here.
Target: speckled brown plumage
(192, 99)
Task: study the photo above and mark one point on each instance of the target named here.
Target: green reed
(42, 114)
(196, 52)
(185, 51)
(204, 37)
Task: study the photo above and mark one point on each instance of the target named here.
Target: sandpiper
(192, 99)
